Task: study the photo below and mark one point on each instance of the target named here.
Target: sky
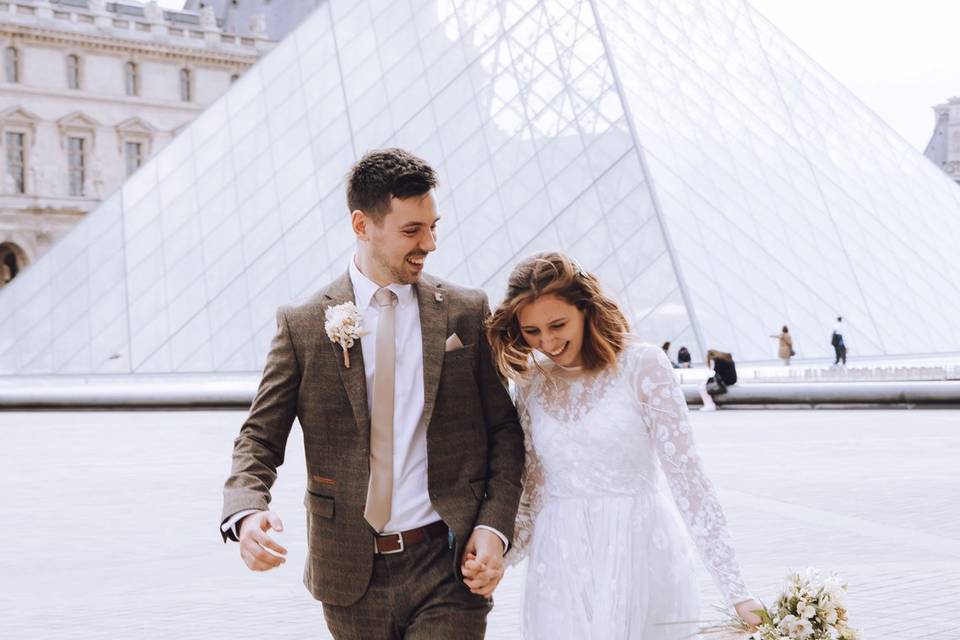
(895, 55)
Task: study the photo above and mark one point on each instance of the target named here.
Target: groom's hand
(482, 565)
(257, 549)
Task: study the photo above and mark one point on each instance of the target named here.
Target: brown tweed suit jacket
(474, 441)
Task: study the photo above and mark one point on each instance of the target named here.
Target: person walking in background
(839, 347)
(666, 349)
(785, 349)
(683, 358)
(724, 375)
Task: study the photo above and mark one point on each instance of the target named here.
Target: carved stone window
(133, 155)
(76, 165)
(78, 138)
(186, 85)
(73, 71)
(11, 64)
(16, 177)
(131, 78)
(135, 138)
(19, 126)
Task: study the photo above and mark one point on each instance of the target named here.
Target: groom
(413, 448)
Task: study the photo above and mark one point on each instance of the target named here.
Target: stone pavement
(112, 522)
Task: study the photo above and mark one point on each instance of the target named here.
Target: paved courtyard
(111, 521)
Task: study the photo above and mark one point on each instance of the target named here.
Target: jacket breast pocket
(461, 359)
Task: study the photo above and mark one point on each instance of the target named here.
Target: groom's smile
(394, 249)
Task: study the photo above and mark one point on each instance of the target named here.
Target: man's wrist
(500, 536)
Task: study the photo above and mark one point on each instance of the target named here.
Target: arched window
(11, 64)
(11, 262)
(73, 71)
(186, 89)
(131, 79)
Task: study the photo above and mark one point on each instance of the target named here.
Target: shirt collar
(364, 288)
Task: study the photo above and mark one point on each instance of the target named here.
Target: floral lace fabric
(613, 492)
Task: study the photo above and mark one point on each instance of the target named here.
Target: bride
(606, 432)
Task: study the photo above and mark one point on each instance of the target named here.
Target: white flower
(344, 326)
(835, 589)
(808, 612)
(802, 629)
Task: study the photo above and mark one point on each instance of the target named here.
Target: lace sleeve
(531, 499)
(665, 410)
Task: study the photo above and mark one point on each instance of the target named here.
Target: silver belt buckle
(399, 539)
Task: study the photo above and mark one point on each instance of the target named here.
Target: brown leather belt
(397, 541)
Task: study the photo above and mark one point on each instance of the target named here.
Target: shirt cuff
(503, 538)
(230, 526)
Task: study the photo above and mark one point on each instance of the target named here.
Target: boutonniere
(344, 326)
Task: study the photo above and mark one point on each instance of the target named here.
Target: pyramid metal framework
(718, 181)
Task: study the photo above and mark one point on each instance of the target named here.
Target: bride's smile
(554, 327)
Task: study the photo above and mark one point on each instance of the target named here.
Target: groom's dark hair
(383, 174)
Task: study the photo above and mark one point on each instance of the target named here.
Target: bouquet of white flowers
(807, 609)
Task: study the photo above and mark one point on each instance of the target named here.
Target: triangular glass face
(786, 200)
(716, 179)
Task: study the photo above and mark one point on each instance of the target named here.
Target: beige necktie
(380, 489)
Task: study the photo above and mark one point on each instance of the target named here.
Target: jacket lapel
(433, 326)
(354, 379)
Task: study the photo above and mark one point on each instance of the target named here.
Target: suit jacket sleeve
(505, 453)
(259, 449)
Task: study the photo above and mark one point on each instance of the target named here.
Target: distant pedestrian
(666, 349)
(683, 358)
(839, 346)
(785, 349)
(724, 375)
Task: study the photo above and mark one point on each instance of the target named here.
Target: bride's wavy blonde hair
(605, 330)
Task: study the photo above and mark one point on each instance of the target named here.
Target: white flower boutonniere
(344, 327)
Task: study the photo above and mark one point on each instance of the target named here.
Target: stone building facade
(944, 146)
(89, 90)
(276, 17)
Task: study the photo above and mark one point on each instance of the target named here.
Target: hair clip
(576, 266)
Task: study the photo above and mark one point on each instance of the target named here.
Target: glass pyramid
(718, 181)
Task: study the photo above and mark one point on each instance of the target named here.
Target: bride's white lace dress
(611, 479)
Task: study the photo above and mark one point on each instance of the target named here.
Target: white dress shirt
(410, 506)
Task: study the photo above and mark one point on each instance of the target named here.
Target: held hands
(257, 549)
(746, 610)
(482, 565)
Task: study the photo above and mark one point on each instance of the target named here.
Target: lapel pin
(438, 296)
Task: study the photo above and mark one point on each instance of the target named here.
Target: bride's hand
(746, 610)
